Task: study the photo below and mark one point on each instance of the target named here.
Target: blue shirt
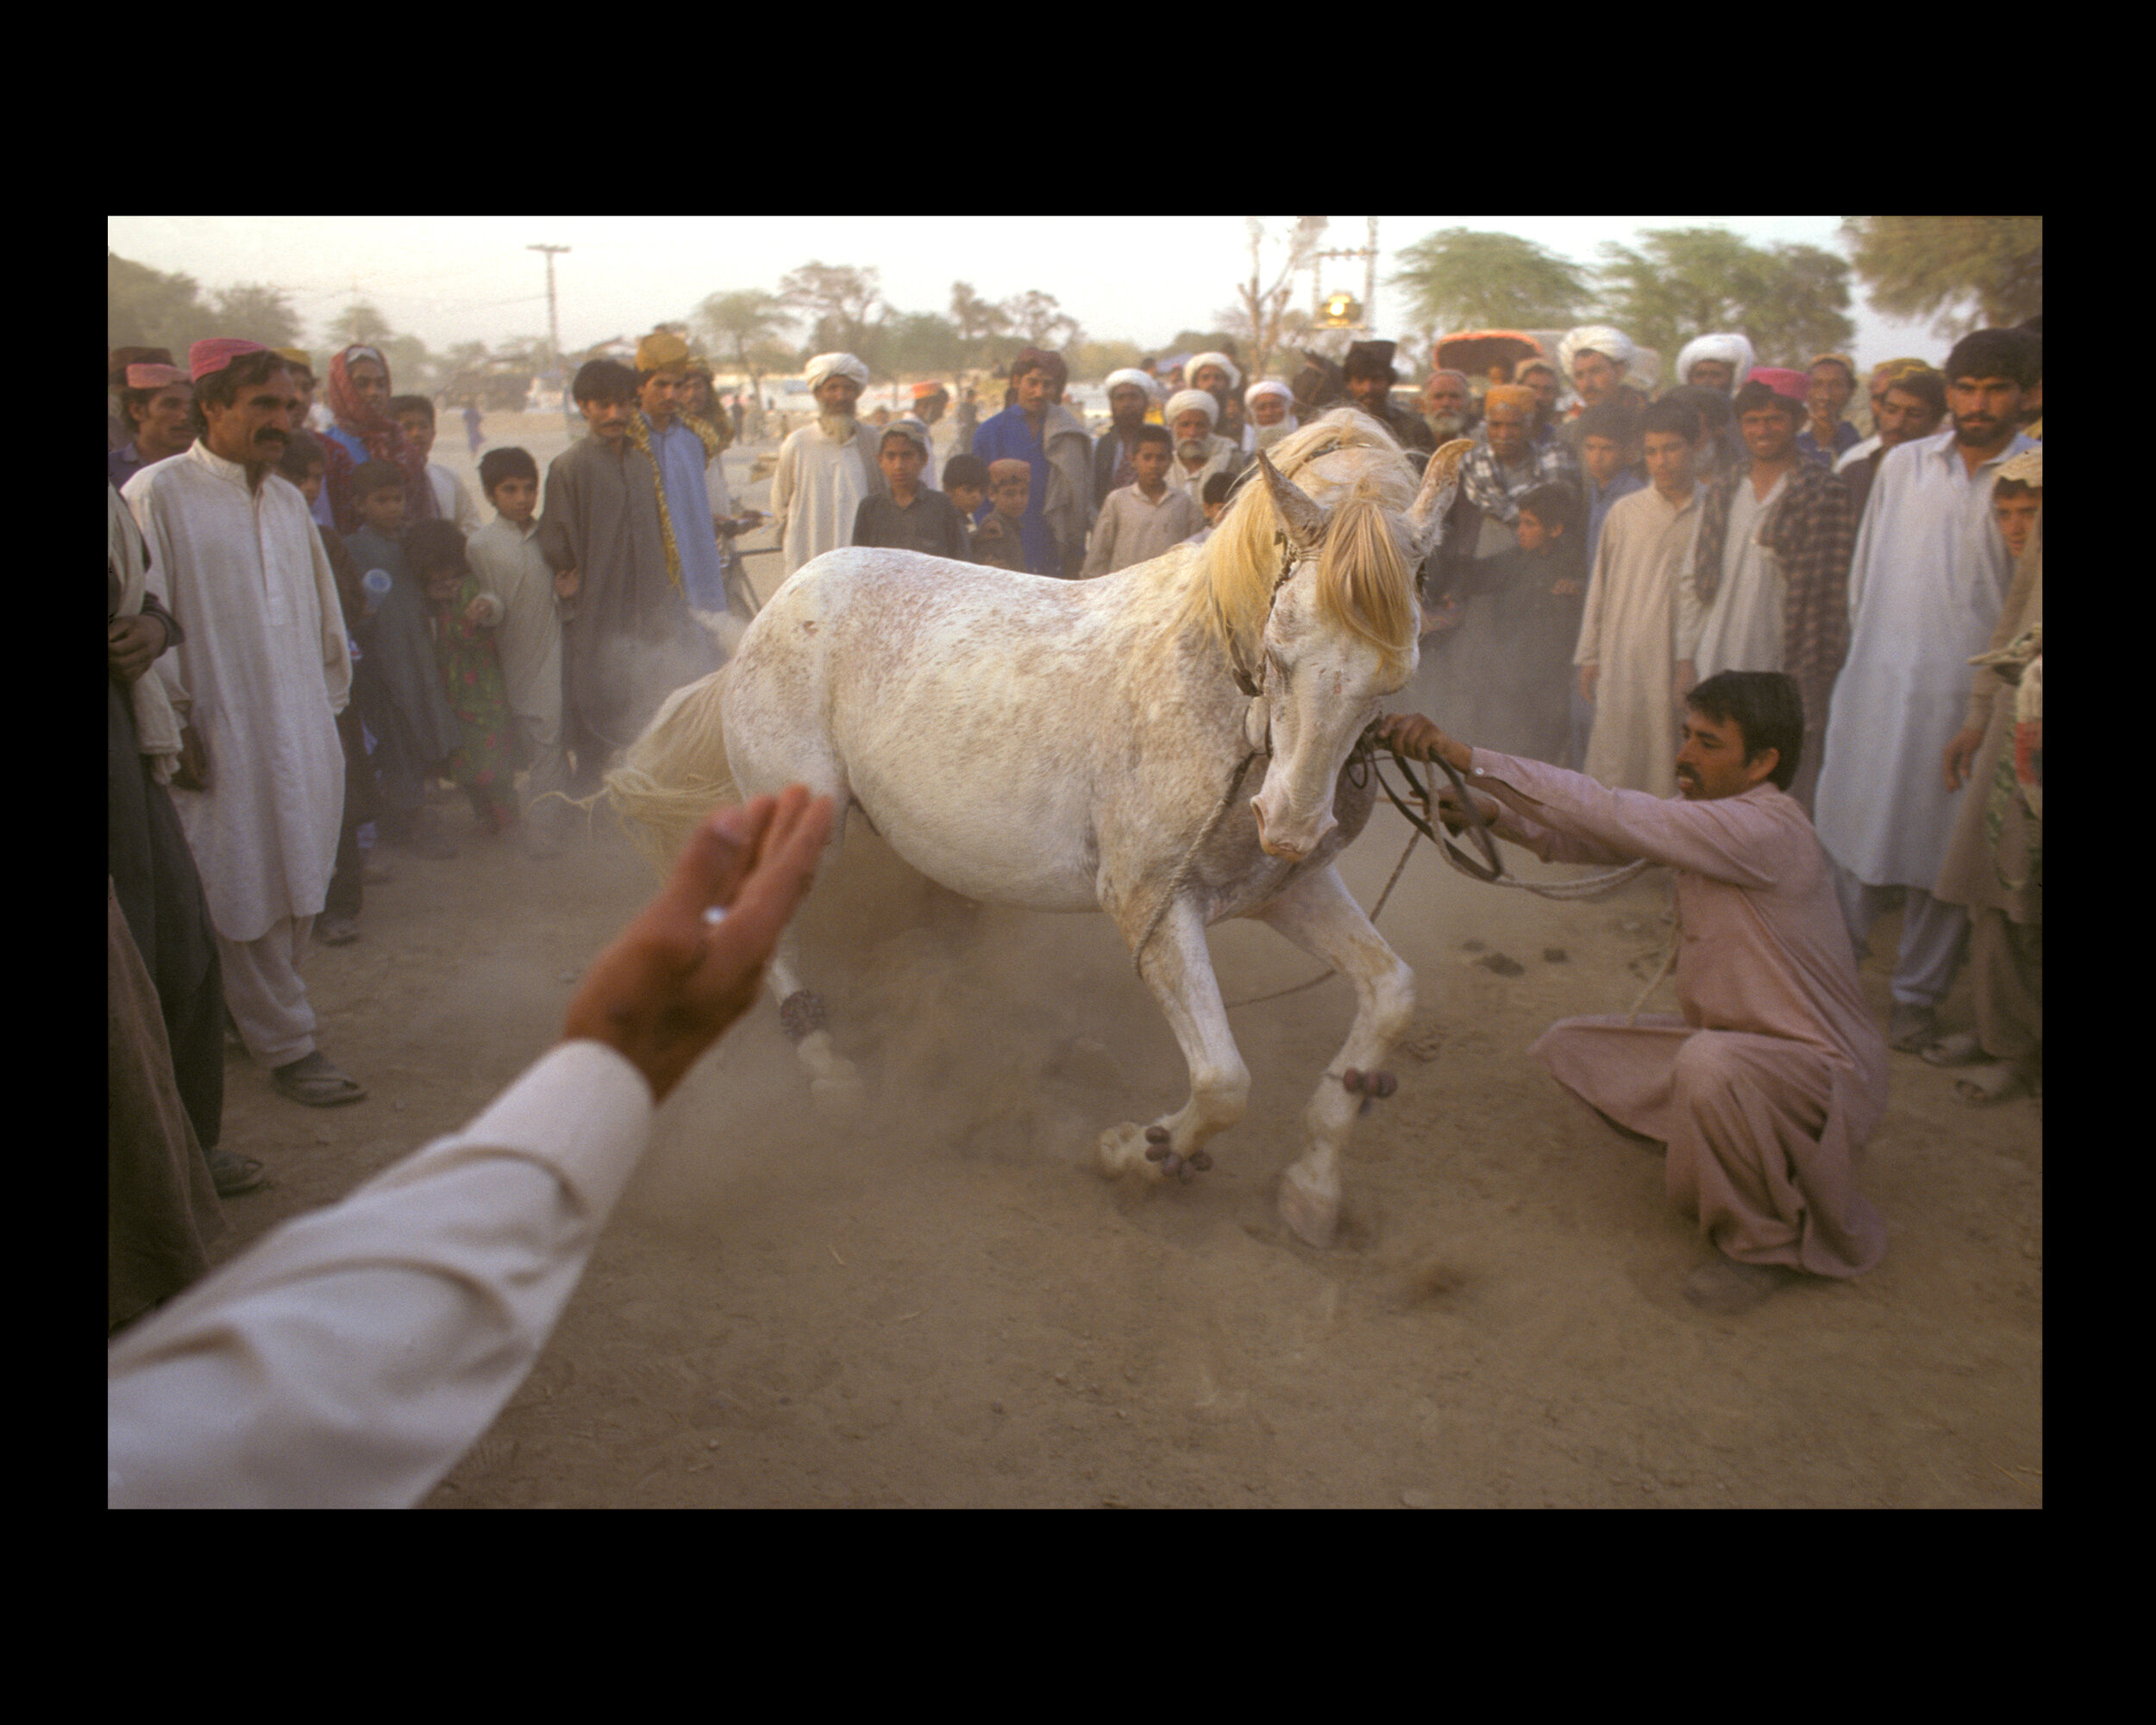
(678, 453)
(1846, 439)
(1009, 437)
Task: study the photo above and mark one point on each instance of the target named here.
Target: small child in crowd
(403, 704)
(1141, 520)
(414, 414)
(912, 518)
(462, 619)
(507, 561)
(966, 483)
(999, 539)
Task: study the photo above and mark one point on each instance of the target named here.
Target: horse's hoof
(1313, 1216)
(1125, 1150)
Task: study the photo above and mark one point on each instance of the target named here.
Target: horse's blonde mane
(1349, 465)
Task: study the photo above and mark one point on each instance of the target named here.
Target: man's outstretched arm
(353, 1355)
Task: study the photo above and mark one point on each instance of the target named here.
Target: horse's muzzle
(1291, 847)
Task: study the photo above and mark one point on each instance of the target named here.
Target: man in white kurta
(235, 555)
(827, 468)
(1627, 647)
(1925, 588)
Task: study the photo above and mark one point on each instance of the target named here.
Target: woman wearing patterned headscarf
(363, 430)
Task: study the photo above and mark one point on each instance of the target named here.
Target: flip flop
(1989, 1085)
(1961, 1048)
(316, 1082)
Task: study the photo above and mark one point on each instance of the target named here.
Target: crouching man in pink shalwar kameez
(1775, 1073)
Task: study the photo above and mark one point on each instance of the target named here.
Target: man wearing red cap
(264, 669)
(154, 401)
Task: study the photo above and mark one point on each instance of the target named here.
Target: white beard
(1269, 434)
(839, 427)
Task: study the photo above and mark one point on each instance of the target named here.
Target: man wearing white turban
(1727, 360)
(1219, 376)
(1131, 396)
(1595, 357)
(1200, 452)
(1272, 407)
(827, 468)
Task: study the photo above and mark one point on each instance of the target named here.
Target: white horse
(1071, 746)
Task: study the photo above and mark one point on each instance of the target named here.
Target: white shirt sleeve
(350, 1359)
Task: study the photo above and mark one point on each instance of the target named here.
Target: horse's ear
(1304, 519)
(1425, 516)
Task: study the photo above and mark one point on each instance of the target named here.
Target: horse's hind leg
(1320, 916)
(1178, 969)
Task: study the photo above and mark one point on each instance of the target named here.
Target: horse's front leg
(1320, 916)
(834, 1082)
(1178, 969)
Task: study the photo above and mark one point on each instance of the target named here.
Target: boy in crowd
(1626, 654)
(1143, 519)
(912, 518)
(507, 563)
(462, 620)
(404, 704)
(414, 414)
(966, 484)
(1551, 589)
(996, 541)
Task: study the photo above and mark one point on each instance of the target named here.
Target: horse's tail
(673, 774)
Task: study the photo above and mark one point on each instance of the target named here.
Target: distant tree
(1090, 362)
(412, 369)
(975, 317)
(1963, 272)
(360, 322)
(259, 312)
(922, 341)
(838, 302)
(146, 308)
(1263, 311)
(746, 324)
(1200, 342)
(1043, 324)
(1460, 279)
(1681, 282)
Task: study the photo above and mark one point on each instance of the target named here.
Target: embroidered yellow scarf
(640, 435)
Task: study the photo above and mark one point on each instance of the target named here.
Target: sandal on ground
(232, 1175)
(316, 1082)
(1961, 1048)
(1997, 1082)
(1912, 1029)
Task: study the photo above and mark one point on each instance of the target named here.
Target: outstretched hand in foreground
(673, 982)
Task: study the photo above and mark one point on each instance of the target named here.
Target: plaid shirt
(1551, 463)
(1812, 534)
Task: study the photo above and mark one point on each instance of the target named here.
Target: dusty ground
(943, 1304)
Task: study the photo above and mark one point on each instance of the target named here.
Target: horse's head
(1340, 636)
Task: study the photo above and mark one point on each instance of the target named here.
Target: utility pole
(1365, 317)
(554, 322)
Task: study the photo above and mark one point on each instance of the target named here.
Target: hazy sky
(450, 278)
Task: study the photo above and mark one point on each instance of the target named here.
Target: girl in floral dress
(462, 617)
